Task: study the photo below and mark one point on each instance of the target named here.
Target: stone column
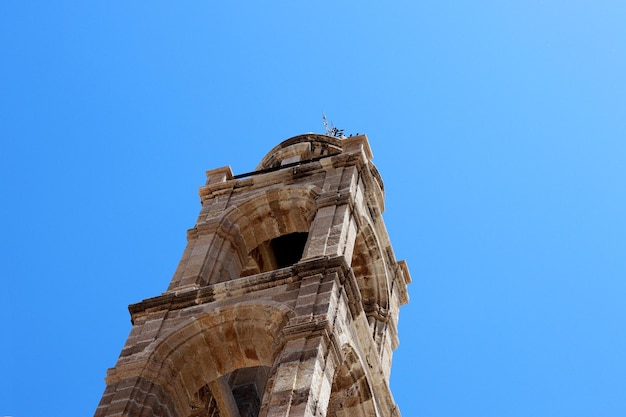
(302, 376)
(215, 253)
(302, 379)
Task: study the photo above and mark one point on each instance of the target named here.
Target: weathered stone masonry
(285, 301)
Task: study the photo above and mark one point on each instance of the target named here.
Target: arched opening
(370, 271)
(224, 354)
(280, 252)
(237, 394)
(351, 393)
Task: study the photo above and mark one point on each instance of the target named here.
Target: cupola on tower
(285, 301)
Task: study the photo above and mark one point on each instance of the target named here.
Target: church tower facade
(285, 301)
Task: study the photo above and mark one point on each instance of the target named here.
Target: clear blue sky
(498, 126)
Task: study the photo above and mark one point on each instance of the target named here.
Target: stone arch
(370, 270)
(265, 215)
(368, 265)
(351, 393)
(214, 344)
(275, 212)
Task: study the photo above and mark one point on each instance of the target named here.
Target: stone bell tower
(285, 301)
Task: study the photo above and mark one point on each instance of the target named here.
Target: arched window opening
(351, 394)
(288, 249)
(280, 252)
(241, 389)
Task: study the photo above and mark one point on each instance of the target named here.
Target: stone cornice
(196, 296)
(223, 181)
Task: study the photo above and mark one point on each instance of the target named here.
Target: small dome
(301, 148)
